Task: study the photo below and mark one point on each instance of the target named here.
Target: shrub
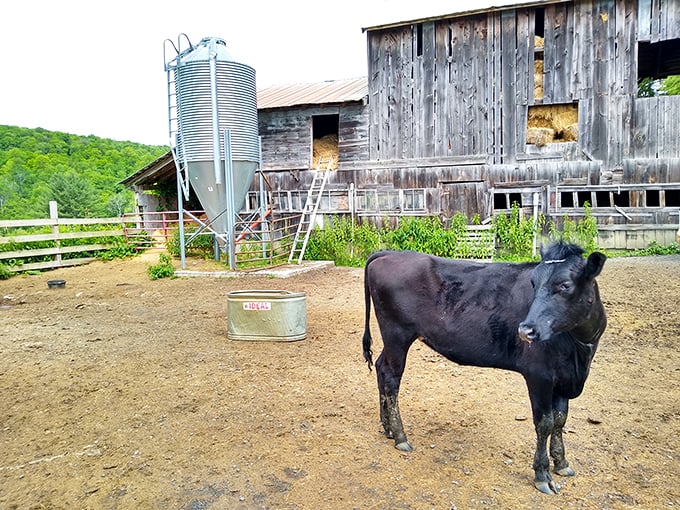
(582, 232)
(515, 234)
(202, 245)
(5, 273)
(346, 243)
(164, 268)
(121, 249)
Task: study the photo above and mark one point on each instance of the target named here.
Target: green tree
(650, 87)
(74, 195)
(671, 86)
(117, 204)
(646, 87)
(37, 165)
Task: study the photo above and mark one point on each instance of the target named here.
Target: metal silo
(213, 106)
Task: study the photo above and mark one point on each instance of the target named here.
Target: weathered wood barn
(535, 103)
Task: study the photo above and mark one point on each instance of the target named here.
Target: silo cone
(213, 196)
(214, 94)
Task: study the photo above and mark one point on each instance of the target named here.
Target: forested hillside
(80, 172)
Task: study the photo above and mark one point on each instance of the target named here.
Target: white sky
(97, 68)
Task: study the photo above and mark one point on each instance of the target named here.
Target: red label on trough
(257, 305)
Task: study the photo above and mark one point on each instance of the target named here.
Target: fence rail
(64, 246)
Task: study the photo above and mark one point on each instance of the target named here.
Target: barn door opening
(325, 130)
(467, 197)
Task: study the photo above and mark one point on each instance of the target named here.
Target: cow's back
(467, 311)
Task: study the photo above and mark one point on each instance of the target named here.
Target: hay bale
(564, 116)
(538, 41)
(538, 79)
(324, 148)
(540, 136)
(570, 133)
(557, 116)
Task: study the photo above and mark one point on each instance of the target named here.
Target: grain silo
(213, 107)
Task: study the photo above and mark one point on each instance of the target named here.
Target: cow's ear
(594, 264)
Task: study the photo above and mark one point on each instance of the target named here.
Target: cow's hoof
(404, 447)
(565, 471)
(547, 487)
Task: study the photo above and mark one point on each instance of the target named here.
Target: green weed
(164, 268)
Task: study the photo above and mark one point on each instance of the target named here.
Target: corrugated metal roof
(159, 169)
(335, 91)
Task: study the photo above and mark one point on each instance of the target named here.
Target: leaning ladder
(309, 211)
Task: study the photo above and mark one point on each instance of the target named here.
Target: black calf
(542, 320)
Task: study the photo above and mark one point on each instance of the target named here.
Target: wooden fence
(63, 243)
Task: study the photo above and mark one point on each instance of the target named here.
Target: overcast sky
(97, 68)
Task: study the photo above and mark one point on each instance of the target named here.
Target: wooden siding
(286, 135)
(656, 130)
(449, 99)
(658, 20)
(462, 86)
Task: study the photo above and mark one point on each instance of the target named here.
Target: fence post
(54, 217)
(165, 228)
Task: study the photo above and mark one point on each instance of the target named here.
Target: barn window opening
(673, 198)
(602, 199)
(539, 22)
(552, 123)
(658, 63)
(622, 199)
(325, 141)
(414, 200)
(419, 39)
(449, 41)
(652, 198)
(567, 199)
(584, 198)
(389, 200)
(500, 201)
(506, 200)
(539, 43)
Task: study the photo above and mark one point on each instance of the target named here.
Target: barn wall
(449, 100)
(286, 134)
(658, 20)
(462, 86)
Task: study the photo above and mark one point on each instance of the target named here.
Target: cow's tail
(368, 352)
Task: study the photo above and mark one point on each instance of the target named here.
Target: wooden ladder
(309, 211)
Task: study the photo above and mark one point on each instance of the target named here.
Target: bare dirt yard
(119, 392)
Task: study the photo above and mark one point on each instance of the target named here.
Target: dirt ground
(119, 392)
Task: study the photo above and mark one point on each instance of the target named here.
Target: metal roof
(334, 91)
(158, 170)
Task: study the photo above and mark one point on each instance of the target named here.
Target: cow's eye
(564, 287)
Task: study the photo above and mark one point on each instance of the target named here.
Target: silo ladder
(309, 211)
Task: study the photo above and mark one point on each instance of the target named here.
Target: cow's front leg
(541, 407)
(560, 413)
(388, 387)
(542, 480)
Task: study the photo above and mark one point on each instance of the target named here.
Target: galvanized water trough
(266, 315)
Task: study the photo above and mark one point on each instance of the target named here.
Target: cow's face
(564, 295)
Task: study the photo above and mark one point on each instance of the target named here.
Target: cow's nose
(527, 332)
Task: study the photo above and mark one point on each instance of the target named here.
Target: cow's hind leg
(389, 369)
(560, 413)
